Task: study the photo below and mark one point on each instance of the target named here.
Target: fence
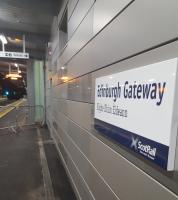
(12, 117)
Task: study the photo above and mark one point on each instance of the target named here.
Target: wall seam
(123, 59)
(96, 33)
(91, 164)
(143, 172)
(75, 166)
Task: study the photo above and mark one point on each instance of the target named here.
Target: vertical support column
(31, 91)
(24, 44)
(30, 84)
(9, 68)
(3, 47)
(39, 89)
(35, 89)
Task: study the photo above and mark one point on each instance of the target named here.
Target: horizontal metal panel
(55, 53)
(105, 161)
(82, 139)
(77, 90)
(78, 15)
(63, 7)
(71, 7)
(80, 89)
(61, 121)
(61, 91)
(61, 105)
(82, 35)
(82, 191)
(62, 41)
(55, 40)
(159, 54)
(93, 180)
(131, 32)
(80, 113)
(105, 11)
(54, 79)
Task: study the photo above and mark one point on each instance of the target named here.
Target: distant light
(3, 39)
(6, 93)
(63, 67)
(19, 71)
(17, 40)
(16, 65)
(65, 78)
(14, 78)
(14, 40)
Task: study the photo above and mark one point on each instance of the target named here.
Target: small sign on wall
(138, 109)
(18, 55)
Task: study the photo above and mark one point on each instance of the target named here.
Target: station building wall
(97, 38)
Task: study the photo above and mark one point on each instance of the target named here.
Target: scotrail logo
(143, 149)
(134, 143)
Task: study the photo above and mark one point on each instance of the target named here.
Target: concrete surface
(21, 170)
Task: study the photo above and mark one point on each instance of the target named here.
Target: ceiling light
(65, 78)
(14, 40)
(18, 40)
(13, 76)
(3, 39)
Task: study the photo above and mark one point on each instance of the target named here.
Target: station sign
(16, 55)
(138, 108)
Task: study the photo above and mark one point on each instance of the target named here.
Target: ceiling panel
(28, 15)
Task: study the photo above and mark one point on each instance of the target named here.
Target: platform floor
(30, 167)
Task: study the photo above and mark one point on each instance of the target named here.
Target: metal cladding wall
(106, 37)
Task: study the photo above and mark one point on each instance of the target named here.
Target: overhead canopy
(30, 17)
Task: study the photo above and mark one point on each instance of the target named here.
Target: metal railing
(16, 117)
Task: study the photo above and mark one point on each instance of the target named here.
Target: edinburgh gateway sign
(138, 109)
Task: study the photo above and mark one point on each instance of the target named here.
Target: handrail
(23, 115)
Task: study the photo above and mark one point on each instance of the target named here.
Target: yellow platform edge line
(6, 111)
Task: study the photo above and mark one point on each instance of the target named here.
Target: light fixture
(13, 76)
(65, 78)
(6, 93)
(3, 39)
(16, 65)
(19, 71)
(17, 40)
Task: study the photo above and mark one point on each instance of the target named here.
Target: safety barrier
(16, 117)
